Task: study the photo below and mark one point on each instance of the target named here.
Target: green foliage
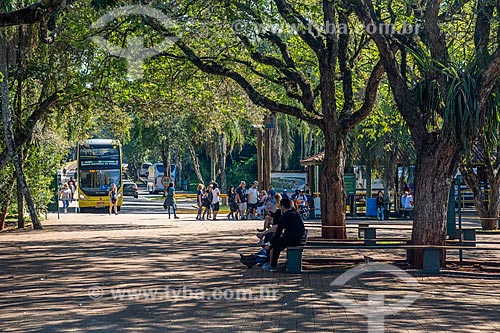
(491, 132)
(243, 170)
(382, 136)
(452, 111)
(41, 164)
(461, 113)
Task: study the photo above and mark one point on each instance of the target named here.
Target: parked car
(131, 189)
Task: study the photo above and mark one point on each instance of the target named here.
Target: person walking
(66, 196)
(113, 199)
(170, 200)
(199, 200)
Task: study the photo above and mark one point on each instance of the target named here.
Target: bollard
(469, 238)
(294, 260)
(370, 236)
(431, 260)
(361, 229)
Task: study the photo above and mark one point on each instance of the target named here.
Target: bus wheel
(84, 210)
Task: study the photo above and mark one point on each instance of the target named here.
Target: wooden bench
(431, 252)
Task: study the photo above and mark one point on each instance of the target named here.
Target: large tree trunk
(222, 164)
(196, 164)
(20, 206)
(277, 144)
(333, 196)
(434, 172)
(5, 200)
(165, 159)
(472, 182)
(9, 136)
(486, 209)
(490, 221)
(494, 202)
(368, 178)
(389, 172)
(4, 207)
(212, 152)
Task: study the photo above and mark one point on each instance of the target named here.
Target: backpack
(207, 199)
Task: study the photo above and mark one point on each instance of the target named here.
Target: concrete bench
(409, 210)
(431, 252)
(294, 256)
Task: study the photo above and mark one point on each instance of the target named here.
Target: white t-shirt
(406, 202)
(66, 194)
(215, 195)
(253, 195)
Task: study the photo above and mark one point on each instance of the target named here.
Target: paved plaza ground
(145, 273)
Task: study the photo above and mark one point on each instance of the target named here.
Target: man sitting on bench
(289, 233)
(407, 203)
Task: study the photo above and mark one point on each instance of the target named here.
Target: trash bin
(371, 207)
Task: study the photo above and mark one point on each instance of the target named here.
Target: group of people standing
(244, 203)
(208, 201)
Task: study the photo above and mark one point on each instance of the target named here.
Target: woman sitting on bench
(272, 218)
(264, 235)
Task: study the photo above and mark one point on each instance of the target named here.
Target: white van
(142, 172)
(155, 174)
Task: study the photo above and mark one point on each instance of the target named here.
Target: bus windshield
(99, 180)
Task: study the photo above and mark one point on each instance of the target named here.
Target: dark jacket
(290, 228)
(380, 202)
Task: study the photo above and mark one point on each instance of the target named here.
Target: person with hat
(301, 200)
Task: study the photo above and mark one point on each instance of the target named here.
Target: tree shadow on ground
(189, 283)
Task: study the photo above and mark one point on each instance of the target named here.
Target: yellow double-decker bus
(99, 166)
